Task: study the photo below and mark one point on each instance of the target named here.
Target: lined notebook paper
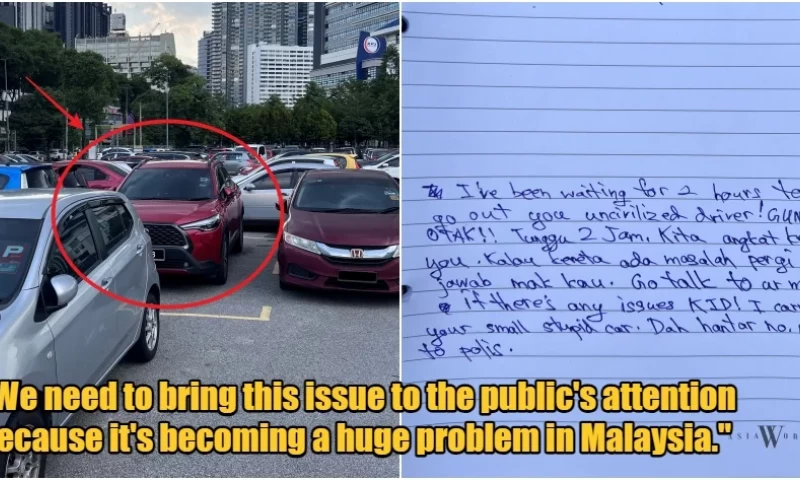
(605, 192)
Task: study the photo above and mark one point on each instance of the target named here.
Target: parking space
(264, 333)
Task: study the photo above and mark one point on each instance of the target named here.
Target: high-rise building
(337, 32)
(81, 20)
(126, 54)
(118, 24)
(204, 57)
(237, 25)
(277, 70)
(23, 15)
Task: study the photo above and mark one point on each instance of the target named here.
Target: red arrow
(74, 120)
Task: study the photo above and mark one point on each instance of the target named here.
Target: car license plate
(158, 254)
(360, 277)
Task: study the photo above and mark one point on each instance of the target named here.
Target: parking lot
(259, 333)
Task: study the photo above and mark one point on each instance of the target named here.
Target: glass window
(348, 194)
(40, 178)
(115, 224)
(79, 245)
(91, 173)
(187, 184)
(265, 182)
(220, 178)
(116, 169)
(394, 162)
(17, 242)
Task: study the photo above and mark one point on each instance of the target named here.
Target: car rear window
(188, 184)
(41, 178)
(116, 169)
(348, 195)
(17, 243)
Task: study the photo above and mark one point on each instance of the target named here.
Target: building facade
(126, 54)
(338, 26)
(204, 57)
(73, 20)
(236, 25)
(23, 15)
(279, 70)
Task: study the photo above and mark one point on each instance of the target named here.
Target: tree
(36, 122)
(276, 121)
(353, 109)
(167, 71)
(88, 85)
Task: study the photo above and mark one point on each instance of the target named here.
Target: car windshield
(348, 195)
(17, 242)
(117, 169)
(186, 184)
(385, 157)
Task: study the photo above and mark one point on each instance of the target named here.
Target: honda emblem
(356, 253)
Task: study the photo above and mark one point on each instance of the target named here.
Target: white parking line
(276, 270)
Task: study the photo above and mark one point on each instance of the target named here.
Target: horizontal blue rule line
(638, 377)
(723, 417)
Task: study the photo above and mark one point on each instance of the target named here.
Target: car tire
(146, 345)
(239, 245)
(221, 277)
(31, 464)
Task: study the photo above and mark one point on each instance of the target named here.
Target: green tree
(37, 123)
(167, 71)
(276, 121)
(353, 108)
(88, 85)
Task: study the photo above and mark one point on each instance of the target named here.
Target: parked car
(133, 160)
(237, 163)
(24, 176)
(377, 157)
(258, 191)
(342, 160)
(262, 150)
(98, 174)
(57, 154)
(193, 211)
(342, 232)
(109, 150)
(17, 158)
(345, 150)
(168, 155)
(57, 329)
(287, 152)
(390, 165)
(115, 155)
(274, 162)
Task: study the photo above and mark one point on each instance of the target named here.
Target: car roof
(175, 164)
(348, 173)
(33, 203)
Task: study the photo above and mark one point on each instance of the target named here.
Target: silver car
(258, 191)
(54, 327)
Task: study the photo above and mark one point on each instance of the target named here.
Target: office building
(337, 32)
(129, 54)
(277, 70)
(81, 20)
(204, 57)
(236, 25)
(23, 15)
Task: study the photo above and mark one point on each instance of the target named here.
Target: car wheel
(239, 245)
(221, 278)
(147, 344)
(24, 465)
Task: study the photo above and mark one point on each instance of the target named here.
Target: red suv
(193, 212)
(98, 175)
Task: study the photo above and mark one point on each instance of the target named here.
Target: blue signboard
(368, 48)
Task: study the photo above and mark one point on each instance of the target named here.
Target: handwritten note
(606, 193)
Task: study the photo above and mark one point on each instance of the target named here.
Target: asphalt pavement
(264, 333)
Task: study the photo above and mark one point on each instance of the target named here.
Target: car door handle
(139, 250)
(105, 282)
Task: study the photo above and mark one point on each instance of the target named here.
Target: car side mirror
(65, 288)
(249, 187)
(228, 191)
(285, 205)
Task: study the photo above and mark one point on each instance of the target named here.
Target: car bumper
(304, 269)
(179, 261)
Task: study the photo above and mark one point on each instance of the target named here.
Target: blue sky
(186, 20)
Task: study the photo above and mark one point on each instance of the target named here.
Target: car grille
(358, 262)
(165, 235)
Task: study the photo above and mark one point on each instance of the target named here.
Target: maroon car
(98, 175)
(192, 211)
(342, 232)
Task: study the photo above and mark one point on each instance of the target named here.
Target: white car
(390, 166)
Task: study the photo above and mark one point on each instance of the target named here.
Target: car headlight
(301, 243)
(206, 224)
(396, 251)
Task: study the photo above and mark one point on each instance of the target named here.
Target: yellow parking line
(264, 317)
